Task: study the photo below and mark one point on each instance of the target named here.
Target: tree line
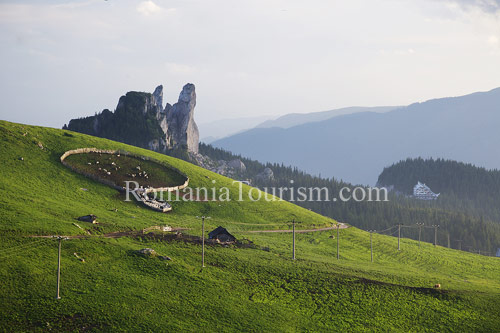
(468, 219)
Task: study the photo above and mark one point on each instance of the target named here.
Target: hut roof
(219, 231)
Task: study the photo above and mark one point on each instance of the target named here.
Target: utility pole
(203, 239)
(459, 245)
(419, 232)
(60, 239)
(371, 243)
(399, 237)
(448, 240)
(338, 246)
(293, 237)
(435, 233)
(59, 268)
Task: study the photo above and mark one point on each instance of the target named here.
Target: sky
(67, 59)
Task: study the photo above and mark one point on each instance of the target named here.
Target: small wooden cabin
(221, 235)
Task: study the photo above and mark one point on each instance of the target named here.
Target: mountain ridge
(294, 119)
(358, 146)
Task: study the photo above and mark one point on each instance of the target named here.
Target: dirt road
(119, 234)
(301, 231)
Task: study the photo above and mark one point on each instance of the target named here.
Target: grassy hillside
(250, 286)
(459, 128)
(60, 195)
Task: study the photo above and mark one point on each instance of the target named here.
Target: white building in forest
(423, 192)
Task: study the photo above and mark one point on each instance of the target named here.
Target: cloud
(277, 62)
(148, 8)
(493, 40)
(397, 52)
(490, 6)
(176, 68)
(75, 5)
(494, 43)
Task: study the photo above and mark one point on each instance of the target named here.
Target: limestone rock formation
(233, 169)
(238, 165)
(266, 175)
(140, 120)
(182, 130)
(157, 100)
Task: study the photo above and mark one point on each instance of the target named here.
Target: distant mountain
(218, 129)
(294, 119)
(356, 147)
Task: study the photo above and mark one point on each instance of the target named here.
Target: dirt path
(119, 234)
(301, 231)
(115, 234)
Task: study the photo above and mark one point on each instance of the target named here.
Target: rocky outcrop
(157, 100)
(238, 165)
(233, 169)
(266, 175)
(147, 253)
(140, 120)
(182, 130)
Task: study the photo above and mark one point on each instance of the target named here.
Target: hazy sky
(65, 59)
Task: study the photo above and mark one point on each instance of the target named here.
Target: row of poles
(293, 222)
(419, 225)
(203, 218)
(293, 239)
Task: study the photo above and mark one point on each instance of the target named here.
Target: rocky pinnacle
(182, 129)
